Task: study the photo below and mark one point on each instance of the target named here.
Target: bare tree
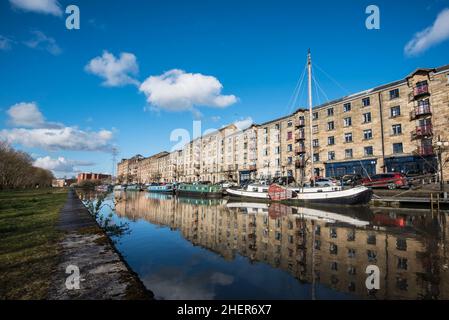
(17, 170)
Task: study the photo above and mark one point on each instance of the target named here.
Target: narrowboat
(133, 187)
(103, 188)
(200, 190)
(120, 187)
(167, 188)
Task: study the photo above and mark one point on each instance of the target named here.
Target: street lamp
(440, 146)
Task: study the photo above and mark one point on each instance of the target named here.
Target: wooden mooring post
(435, 201)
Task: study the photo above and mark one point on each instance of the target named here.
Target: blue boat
(166, 188)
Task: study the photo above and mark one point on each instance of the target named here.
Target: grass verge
(29, 241)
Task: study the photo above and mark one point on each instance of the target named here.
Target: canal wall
(103, 273)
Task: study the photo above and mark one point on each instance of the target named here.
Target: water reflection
(255, 250)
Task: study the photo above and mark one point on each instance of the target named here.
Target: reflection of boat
(200, 190)
(252, 191)
(167, 188)
(275, 210)
(158, 195)
(199, 201)
(314, 214)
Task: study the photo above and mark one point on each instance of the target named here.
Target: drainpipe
(382, 131)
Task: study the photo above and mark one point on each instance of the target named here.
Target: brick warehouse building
(92, 176)
(393, 127)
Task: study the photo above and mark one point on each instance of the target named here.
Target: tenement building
(395, 127)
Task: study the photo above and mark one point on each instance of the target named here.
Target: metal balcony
(300, 135)
(425, 151)
(422, 110)
(300, 163)
(420, 90)
(300, 123)
(300, 149)
(422, 131)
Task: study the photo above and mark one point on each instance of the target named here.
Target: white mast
(309, 69)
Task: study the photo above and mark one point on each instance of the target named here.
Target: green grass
(29, 241)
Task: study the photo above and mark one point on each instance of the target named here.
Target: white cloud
(215, 118)
(430, 36)
(5, 43)
(115, 72)
(176, 90)
(244, 124)
(34, 132)
(60, 164)
(67, 138)
(40, 6)
(42, 42)
(26, 115)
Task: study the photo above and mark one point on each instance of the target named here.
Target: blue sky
(256, 50)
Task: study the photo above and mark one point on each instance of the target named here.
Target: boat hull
(355, 196)
(248, 195)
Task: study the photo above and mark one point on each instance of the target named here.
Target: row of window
(366, 118)
(396, 129)
(367, 151)
(394, 94)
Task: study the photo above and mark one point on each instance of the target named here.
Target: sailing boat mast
(309, 72)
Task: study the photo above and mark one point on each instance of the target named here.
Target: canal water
(185, 248)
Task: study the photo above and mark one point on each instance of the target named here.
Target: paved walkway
(103, 273)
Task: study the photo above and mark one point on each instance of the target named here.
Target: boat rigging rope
(296, 92)
(346, 92)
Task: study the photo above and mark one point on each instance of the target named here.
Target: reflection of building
(388, 128)
(93, 177)
(314, 249)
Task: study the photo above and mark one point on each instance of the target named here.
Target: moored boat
(252, 191)
(333, 195)
(327, 195)
(133, 187)
(199, 190)
(120, 187)
(103, 188)
(166, 188)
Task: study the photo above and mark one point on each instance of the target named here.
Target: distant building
(61, 183)
(58, 183)
(92, 176)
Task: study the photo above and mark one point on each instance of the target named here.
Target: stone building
(390, 128)
(128, 170)
(93, 177)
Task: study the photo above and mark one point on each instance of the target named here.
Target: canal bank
(103, 273)
(428, 198)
